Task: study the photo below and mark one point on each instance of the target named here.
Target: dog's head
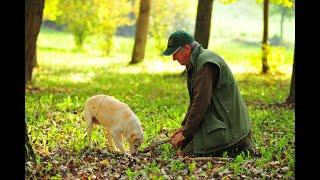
(136, 139)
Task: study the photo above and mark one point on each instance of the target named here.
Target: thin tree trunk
(203, 22)
(281, 26)
(265, 44)
(291, 97)
(33, 20)
(141, 32)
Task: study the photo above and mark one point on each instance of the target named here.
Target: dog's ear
(135, 138)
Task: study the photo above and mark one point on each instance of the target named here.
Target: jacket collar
(197, 49)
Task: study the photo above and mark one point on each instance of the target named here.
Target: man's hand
(177, 140)
(176, 132)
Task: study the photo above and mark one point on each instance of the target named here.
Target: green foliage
(79, 16)
(167, 152)
(167, 16)
(236, 164)
(228, 1)
(111, 14)
(276, 56)
(191, 167)
(209, 164)
(50, 10)
(176, 165)
(285, 3)
(152, 169)
(84, 17)
(131, 174)
(284, 10)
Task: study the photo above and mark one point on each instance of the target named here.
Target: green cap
(177, 40)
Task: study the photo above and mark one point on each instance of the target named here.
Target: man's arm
(205, 82)
(186, 117)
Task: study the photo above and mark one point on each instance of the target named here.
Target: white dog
(117, 118)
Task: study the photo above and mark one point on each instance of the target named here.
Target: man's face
(183, 55)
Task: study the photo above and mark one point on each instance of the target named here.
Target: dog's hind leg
(89, 119)
(89, 132)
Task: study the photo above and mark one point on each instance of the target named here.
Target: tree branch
(154, 144)
(216, 159)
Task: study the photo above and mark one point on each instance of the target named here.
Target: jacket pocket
(212, 123)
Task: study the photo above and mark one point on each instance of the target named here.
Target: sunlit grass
(240, 57)
(71, 72)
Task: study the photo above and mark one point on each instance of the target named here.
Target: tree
(265, 44)
(291, 97)
(111, 15)
(203, 22)
(284, 12)
(178, 14)
(79, 18)
(86, 17)
(141, 32)
(33, 20)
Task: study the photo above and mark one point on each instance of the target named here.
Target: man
(217, 119)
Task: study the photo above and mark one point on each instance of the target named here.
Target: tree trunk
(265, 44)
(33, 20)
(281, 26)
(141, 32)
(291, 97)
(203, 22)
(29, 153)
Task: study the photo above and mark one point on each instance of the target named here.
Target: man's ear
(187, 48)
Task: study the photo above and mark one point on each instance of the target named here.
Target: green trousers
(243, 145)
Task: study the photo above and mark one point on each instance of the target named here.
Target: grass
(157, 93)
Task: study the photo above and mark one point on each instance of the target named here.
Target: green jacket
(226, 120)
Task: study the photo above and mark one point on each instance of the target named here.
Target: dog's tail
(90, 126)
(89, 118)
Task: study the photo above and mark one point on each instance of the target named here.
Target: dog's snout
(133, 151)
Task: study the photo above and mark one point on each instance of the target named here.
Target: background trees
(111, 15)
(285, 12)
(79, 16)
(265, 44)
(86, 17)
(163, 21)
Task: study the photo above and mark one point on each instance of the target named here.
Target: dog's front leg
(117, 139)
(109, 140)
